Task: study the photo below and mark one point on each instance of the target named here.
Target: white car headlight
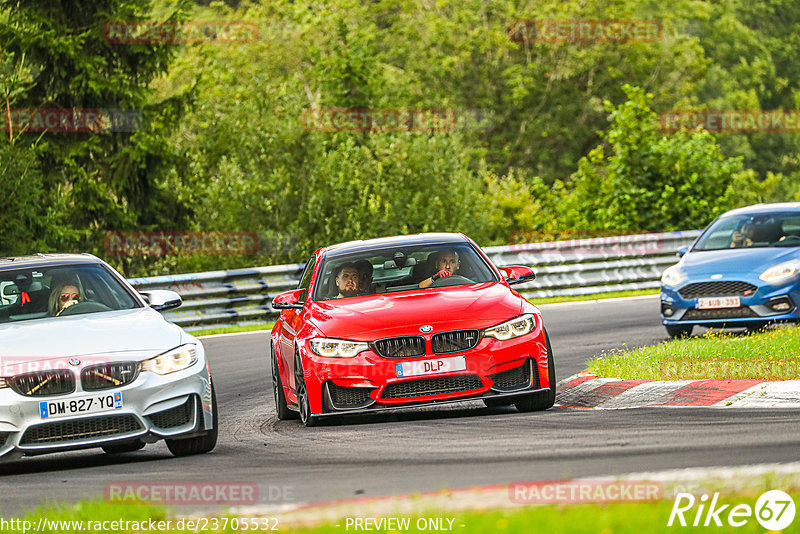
(337, 348)
(672, 276)
(516, 327)
(3, 383)
(780, 272)
(171, 361)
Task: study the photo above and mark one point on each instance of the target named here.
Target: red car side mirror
(289, 300)
(518, 274)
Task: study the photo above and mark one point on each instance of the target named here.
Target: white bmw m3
(86, 361)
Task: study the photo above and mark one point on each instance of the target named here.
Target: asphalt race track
(418, 450)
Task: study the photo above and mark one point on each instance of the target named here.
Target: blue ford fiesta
(743, 271)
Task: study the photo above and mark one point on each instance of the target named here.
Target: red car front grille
(431, 386)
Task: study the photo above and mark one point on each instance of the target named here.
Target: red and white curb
(587, 391)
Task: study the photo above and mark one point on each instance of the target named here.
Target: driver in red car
(347, 279)
(446, 263)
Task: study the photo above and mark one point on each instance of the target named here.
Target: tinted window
(41, 292)
(752, 231)
(394, 269)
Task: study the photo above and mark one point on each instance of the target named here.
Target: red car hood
(394, 314)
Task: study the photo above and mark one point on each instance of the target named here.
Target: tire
(123, 447)
(281, 408)
(538, 402)
(679, 331)
(199, 444)
(302, 393)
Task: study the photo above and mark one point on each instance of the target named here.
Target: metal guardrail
(574, 267)
(595, 265)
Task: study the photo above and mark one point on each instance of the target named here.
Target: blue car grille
(722, 313)
(717, 289)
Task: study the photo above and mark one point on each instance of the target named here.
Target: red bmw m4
(407, 321)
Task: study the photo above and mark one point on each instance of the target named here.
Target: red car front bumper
(370, 382)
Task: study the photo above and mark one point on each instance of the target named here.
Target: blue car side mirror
(682, 251)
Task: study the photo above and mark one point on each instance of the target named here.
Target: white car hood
(141, 330)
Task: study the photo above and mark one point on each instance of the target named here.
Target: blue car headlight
(673, 276)
(779, 272)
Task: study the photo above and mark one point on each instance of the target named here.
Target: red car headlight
(337, 348)
(516, 327)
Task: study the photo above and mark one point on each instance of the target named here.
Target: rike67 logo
(774, 510)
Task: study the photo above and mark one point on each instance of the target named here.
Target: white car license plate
(81, 405)
(432, 367)
(711, 303)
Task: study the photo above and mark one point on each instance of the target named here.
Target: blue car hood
(736, 260)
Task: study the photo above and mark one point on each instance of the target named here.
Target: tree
(643, 179)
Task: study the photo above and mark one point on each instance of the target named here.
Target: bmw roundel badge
(425, 329)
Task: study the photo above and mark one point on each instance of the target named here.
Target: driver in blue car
(446, 263)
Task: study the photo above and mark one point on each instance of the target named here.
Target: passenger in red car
(365, 285)
(446, 263)
(347, 279)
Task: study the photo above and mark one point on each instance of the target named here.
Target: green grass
(232, 329)
(597, 296)
(770, 355)
(616, 518)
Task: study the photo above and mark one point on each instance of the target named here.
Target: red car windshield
(394, 269)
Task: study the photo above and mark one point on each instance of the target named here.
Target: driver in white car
(63, 298)
(446, 263)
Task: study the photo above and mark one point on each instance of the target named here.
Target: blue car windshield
(752, 231)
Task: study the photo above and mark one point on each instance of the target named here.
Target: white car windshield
(40, 292)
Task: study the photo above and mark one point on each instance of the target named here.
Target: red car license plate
(431, 367)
